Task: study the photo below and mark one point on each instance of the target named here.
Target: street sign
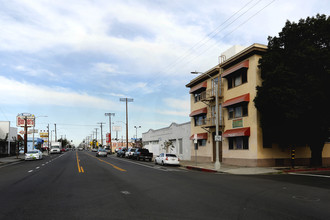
(217, 138)
(195, 139)
(33, 130)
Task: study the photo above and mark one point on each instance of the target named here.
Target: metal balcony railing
(209, 95)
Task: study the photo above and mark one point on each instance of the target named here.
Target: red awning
(200, 136)
(237, 132)
(242, 98)
(198, 87)
(198, 112)
(244, 64)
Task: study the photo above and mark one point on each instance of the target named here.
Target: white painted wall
(154, 140)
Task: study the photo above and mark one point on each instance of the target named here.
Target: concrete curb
(201, 169)
(11, 162)
(306, 170)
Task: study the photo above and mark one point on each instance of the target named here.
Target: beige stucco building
(242, 141)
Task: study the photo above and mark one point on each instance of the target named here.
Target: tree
(168, 145)
(294, 96)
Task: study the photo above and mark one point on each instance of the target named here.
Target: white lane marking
(42, 164)
(125, 192)
(37, 167)
(30, 171)
(151, 167)
(306, 174)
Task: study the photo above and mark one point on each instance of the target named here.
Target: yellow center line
(114, 166)
(80, 169)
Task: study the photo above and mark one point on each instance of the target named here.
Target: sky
(73, 60)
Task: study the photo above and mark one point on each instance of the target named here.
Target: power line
(187, 53)
(198, 55)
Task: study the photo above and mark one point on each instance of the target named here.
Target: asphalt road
(77, 185)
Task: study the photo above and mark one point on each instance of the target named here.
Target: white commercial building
(9, 134)
(173, 139)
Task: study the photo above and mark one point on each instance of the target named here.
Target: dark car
(121, 152)
(143, 154)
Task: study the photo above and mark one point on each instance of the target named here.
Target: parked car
(121, 152)
(130, 152)
(55, 150)
(108, 150)
(63, 150)
(101, 153)
(143, 154)
(167, 159)
(33, 155)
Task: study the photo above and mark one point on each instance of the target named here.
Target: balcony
(209, 95)
(210, 123)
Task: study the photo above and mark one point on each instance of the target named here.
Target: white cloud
(36, 72)
(23, 93)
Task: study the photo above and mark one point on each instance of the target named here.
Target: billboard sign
(116, 128)
(20, 121)
(108, 140)
(43, 134)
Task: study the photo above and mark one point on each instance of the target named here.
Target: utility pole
(110, 114)
(101, 123)
(55, 133)
(48, 137)
(126, 100)
(96, 134)
(25, 134)
(136, 127)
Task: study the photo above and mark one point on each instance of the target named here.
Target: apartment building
(242, 141)
(203, 120)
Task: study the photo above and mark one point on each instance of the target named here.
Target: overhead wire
(249, 18)
(198, 45)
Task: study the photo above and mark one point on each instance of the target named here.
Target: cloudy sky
(73, 60)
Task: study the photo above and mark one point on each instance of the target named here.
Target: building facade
(173, 139)
(242, 141)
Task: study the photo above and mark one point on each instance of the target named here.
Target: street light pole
(126, 100)
(217, 164)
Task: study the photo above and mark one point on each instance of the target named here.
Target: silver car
(102, 153)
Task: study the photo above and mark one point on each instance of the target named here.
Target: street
(78, 185)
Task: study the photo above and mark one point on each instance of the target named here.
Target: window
(201, 143)
(238, 143)
(200, 119)
(197, 97)
(237, 78)
(180, 147)
(238, 111)
(214, 84)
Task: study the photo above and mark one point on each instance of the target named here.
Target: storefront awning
(200, 86)
(198, 112)
(244, 64)
(237, 132)
(200, 136)
(242, 98)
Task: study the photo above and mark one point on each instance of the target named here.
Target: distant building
(176, 134)
(8, 136)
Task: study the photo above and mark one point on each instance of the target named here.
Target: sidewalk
(11, 159)
(230, 169)
(209, 167)
(14, 159)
